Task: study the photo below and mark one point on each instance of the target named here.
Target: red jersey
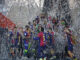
(49, 17)
(52, 36)
(53, 21)
(41, 36)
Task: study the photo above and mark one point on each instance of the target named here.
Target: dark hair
(15, 27)
(66, 26)
(50, 29)
(26, 26)
(42, 29)
(29, 22)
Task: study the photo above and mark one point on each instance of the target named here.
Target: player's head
(42, 29)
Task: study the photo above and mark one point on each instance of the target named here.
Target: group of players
(37, 39)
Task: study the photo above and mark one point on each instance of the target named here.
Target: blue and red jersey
(51, 37)
(26, 44)
(42, 36)
(70, 45)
